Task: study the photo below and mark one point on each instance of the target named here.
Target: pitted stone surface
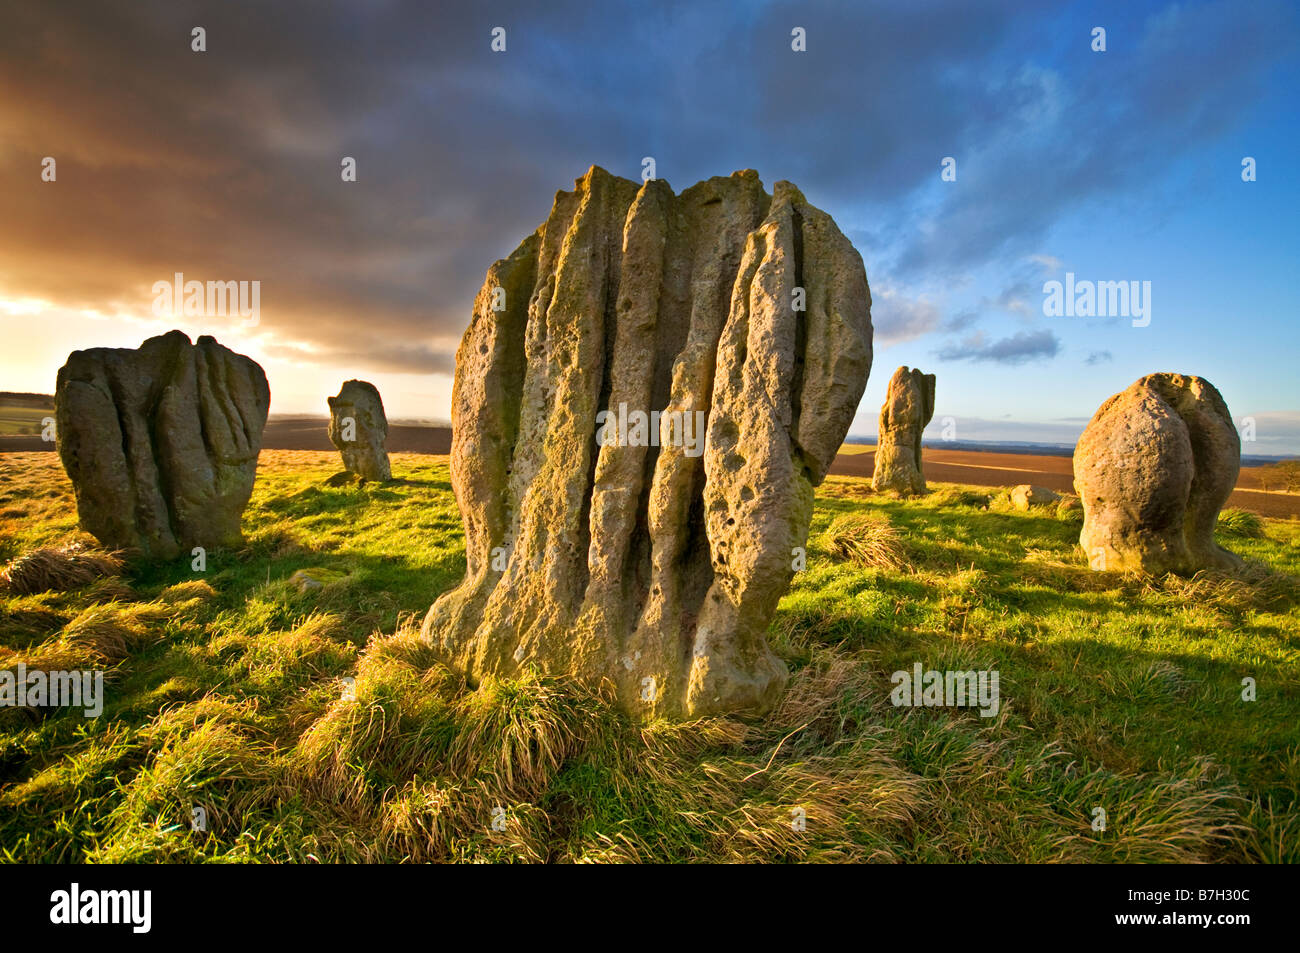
(654, 565)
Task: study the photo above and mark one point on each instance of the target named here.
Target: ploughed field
(1056, 473)
(226, 690)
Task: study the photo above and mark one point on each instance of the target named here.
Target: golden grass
(187, 592)
(868, 539)
(58, 570)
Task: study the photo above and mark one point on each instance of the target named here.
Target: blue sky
(1115, 165)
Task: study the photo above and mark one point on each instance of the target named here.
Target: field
(990, 468)
(25, 421)
(227, 691)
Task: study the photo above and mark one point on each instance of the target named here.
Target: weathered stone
(1153, 468)
(1025, 496)
(656, 568)
(306, 580)
(359, 429)
(908, 407)
(161, 442)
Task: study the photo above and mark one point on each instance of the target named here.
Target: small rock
(1025, 496)
(305, 580)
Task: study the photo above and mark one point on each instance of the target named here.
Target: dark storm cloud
(225, 164)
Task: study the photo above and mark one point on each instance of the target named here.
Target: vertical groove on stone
(612, 589)
(548, 567)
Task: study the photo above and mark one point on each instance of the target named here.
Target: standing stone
(908, 407)
(1153, 468)
(650, 551)
(161, 442)
(359, 429)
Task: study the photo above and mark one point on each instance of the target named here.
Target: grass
(229, 690)
(74, 566)
(868, 539)
(1234, 522)
(23, 420)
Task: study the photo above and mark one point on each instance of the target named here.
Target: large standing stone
(359, 429)
(908, 407)
(1153, 468)
(161, 442)
(657, 568)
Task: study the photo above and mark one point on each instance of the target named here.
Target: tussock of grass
(1252, 588)
(1271, 833)
(1235, 522)
(957, 496)
(100, 636)
(1165, 820)
(112, 630)
(109, 589)
(1069, 509)
(25, 621)
(868, 539)
(188, 591)
(396, 719)
(217, 767)
(58, 570)
(316, 648)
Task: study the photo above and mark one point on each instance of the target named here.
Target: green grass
(22, 420)
(226, 691)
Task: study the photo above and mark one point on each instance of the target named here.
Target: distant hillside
(986, 446)
(9, 398)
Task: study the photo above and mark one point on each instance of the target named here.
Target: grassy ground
(22, 420)
(227, 691)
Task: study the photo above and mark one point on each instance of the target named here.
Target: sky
(1122, 164)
